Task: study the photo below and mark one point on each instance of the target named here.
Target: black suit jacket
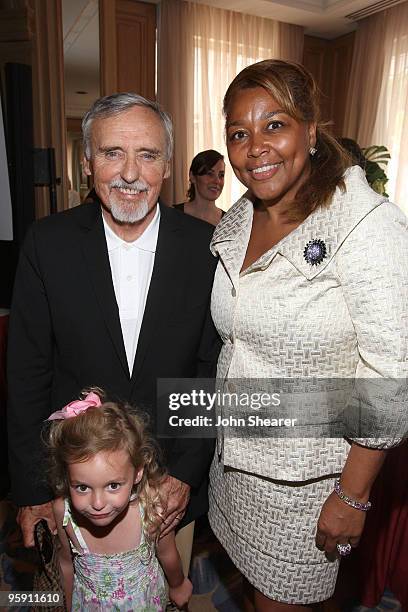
(65, 334)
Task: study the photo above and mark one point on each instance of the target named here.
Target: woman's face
(268, 149)
(209, 185)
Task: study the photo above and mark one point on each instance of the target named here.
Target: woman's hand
(338, 524)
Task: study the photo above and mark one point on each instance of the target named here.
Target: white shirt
(132, 266)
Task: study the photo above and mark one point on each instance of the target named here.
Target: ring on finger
(344, 549)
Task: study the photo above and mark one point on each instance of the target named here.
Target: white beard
(128, 213)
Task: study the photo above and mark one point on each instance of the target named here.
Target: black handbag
(48, 575)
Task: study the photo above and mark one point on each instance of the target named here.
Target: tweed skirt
(268, 530)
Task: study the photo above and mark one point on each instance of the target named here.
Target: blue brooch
(315, 251)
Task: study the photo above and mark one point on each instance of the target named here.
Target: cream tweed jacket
(346, 317)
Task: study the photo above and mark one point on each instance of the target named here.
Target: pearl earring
(312, 151)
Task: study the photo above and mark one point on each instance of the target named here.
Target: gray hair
(120, 103)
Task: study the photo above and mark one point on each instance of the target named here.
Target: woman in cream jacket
(312, 282)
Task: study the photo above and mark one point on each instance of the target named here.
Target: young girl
(105, 473)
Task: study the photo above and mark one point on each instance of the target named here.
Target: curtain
(391, 126)
(201, 49)
(377, 113)
(365, 80)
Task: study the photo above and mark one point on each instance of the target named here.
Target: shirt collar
(146, 242)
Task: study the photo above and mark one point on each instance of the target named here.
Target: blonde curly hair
(109, 427)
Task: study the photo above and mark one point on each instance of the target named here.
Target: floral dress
(124, 582)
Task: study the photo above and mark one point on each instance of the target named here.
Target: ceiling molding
(312, 6)
(374, 8)
(81, 22)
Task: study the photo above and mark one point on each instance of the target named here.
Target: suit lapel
(97, 262)
(168, 257)
(231, 237)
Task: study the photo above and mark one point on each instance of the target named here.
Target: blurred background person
(206, 177)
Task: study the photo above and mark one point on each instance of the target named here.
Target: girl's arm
(180, 588)
(64, 552)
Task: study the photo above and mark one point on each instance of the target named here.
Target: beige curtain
(365, 80)
(175, 89)
(378, 104)
(201, 49)
(391, 126)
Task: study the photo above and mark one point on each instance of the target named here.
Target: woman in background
(311, 284)
(206, 176)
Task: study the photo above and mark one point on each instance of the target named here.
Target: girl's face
(100, 487)
(268, 149)
(210, 185)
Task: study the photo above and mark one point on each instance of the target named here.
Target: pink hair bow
(92, 400)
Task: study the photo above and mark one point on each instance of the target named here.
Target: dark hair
(201, 164)
(353, 149)
(109, 427)
(296, 91)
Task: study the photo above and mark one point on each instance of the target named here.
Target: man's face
(128, 162)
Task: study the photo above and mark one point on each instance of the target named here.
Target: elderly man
(114, 293)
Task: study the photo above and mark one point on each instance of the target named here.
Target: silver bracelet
(348, 500)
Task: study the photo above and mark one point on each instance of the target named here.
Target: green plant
(376, 156)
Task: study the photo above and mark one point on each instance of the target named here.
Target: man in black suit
(114, 293)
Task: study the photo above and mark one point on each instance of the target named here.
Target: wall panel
(128, 50)
(330, 63)
(341, 58)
